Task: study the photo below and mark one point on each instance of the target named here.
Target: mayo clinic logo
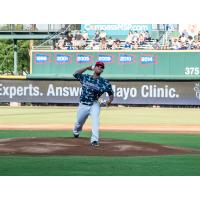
(63, 59)
(197, 90)
(81, 58)
(126, 59)
(42, 58)
(148, 59)
(106, 58)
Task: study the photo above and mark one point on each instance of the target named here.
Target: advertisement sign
(115, 29)
(125, 92)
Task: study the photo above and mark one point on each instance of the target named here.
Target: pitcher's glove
(102, 102)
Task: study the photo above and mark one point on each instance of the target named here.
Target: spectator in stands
(116, 45)
(135, 45)
(183, 38)
(69, 37)
(90, 45)
(135, 36)
(68, 42)
(190, 39)
(128, 45)
(198, 45)
(129, 37)
(170, 44)
(102, 35)
(175, 44)
(194, 45)
(182, 45)
(56, 46)
(97, 36)
(94, 45)
(185, 33)
(110, 43)
(134, 40)
(192, 32)
(85, 39)
(190, 44)
(78, 36)
(79, 40)
(147, 36)
(74, 45)
(198, 36)
(141, 39)
(166, 46)
(69, 46)
(103, 45)
(156, 45)
(128, 40)
(61, 43)
(85, 35)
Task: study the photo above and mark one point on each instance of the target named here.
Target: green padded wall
(119, 64)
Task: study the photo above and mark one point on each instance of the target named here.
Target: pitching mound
(81, 146)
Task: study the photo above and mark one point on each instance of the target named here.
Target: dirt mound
(82, 147)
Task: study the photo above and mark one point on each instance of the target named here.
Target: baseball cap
(100, 63)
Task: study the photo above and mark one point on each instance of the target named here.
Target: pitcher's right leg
(82, 114)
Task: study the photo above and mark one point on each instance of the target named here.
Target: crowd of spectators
(186, 41)
(134, 40)
(100, 41)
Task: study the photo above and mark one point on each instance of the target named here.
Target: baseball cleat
(76, 135)
(95, 144)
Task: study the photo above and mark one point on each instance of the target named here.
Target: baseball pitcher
(93, 86)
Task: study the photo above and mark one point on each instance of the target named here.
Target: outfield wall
(125, 92)
(120, 65)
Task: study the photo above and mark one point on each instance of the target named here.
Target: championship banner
(125, 92)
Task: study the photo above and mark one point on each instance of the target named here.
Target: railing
(87, 46)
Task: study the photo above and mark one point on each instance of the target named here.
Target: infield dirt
(81, 146)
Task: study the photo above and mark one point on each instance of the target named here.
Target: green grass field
(109, 116)
(184, 165)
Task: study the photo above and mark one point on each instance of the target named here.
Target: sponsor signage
(115, 29)
(125, 92)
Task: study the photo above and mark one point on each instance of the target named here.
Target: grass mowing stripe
(100, 166)
(109, 116)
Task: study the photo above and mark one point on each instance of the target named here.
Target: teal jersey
(92, 88)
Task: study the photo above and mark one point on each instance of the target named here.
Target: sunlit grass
(109, 116)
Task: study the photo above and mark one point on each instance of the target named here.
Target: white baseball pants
(82, 114)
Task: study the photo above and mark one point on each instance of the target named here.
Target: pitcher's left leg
(95, 112)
